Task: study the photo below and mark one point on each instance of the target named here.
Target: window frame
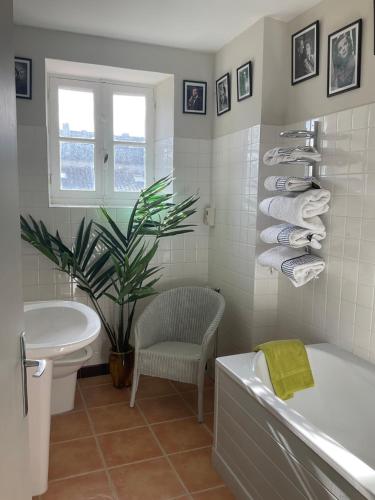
(103, 90)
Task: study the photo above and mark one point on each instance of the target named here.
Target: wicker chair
(175, 336)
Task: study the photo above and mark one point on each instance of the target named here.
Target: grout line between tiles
(74, 476)
(150, 426)
(166, 456)
(109, 479)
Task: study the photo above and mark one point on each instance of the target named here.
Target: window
(100, 138)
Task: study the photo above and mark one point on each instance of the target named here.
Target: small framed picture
(195, 97)
(223, 94)
(305, 53)
(23, 69)
(344, 59)
(244, 81)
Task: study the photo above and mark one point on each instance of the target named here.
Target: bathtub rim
(331, 451)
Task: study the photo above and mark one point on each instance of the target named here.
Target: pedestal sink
(52, 328)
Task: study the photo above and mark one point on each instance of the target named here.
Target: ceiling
(204, 25)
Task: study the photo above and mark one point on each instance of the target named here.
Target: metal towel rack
(312, 136)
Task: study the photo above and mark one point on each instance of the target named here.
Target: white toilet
(64, 378)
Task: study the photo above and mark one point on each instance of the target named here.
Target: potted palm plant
(106, 262)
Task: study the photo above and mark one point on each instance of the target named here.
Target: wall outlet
(209, 216)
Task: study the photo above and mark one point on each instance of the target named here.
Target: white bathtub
(319, 444)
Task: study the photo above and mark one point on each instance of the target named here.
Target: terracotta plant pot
(121, 368)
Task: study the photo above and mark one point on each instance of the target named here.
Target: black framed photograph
(22, 67)
(305, 53)
(344, 59)
(223, 94)
(244, 81)
(195, 97)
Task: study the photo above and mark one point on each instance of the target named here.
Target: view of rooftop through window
(77, 140)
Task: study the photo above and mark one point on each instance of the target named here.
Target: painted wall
(164, 112)
(247, 46)
(309, 99)
(39, 44)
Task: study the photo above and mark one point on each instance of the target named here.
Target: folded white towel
(301, 210)
(298, 266)
(292, 236)
(282, 155)
(284, 184)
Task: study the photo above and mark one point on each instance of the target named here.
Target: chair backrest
(185, 313)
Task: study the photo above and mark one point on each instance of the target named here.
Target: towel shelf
(311, 135)
(308, 163)
(298, 134)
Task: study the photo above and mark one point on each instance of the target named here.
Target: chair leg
(134, 387)
(200, 396)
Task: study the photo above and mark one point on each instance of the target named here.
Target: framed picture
(223, 94)
(195, 97)
(22, 68)
(244, 81)
(344, 59)
(305, 53)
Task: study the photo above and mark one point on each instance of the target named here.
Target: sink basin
(58, 327)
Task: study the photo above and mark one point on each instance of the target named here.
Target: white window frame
(104, 194)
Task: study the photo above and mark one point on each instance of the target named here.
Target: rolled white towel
(301, 210)
(298, 266)
(292, 236)
(284, 184)
(276, 156)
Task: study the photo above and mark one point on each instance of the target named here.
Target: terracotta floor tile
(73, 457)
(89, 487)
(196, 470)
(183, 387)
(208, 399)
(154, 480)
(92, 381)
(164, 408)
(78, 403)
(124, 447)
(70, 425)
(182, 435)
(217, 494)
(153, 386)
(209, 421)
(102, 395)
(115, 417)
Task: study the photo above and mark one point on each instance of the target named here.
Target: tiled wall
(250, 292)
(339, 306)
(185, 258)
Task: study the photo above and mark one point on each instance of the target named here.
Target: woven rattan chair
(175, 336)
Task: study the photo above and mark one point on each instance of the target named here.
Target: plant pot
(121, 368)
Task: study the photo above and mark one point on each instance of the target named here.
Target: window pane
(77, 166)
(129, 118)
(129, 168)
(76, 114)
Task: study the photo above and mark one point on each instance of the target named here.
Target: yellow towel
(288, 366)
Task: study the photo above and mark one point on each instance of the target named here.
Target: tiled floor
(104, 450)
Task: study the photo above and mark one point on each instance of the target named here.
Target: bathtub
(318, 445)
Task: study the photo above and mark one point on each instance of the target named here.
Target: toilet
(64, 378)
